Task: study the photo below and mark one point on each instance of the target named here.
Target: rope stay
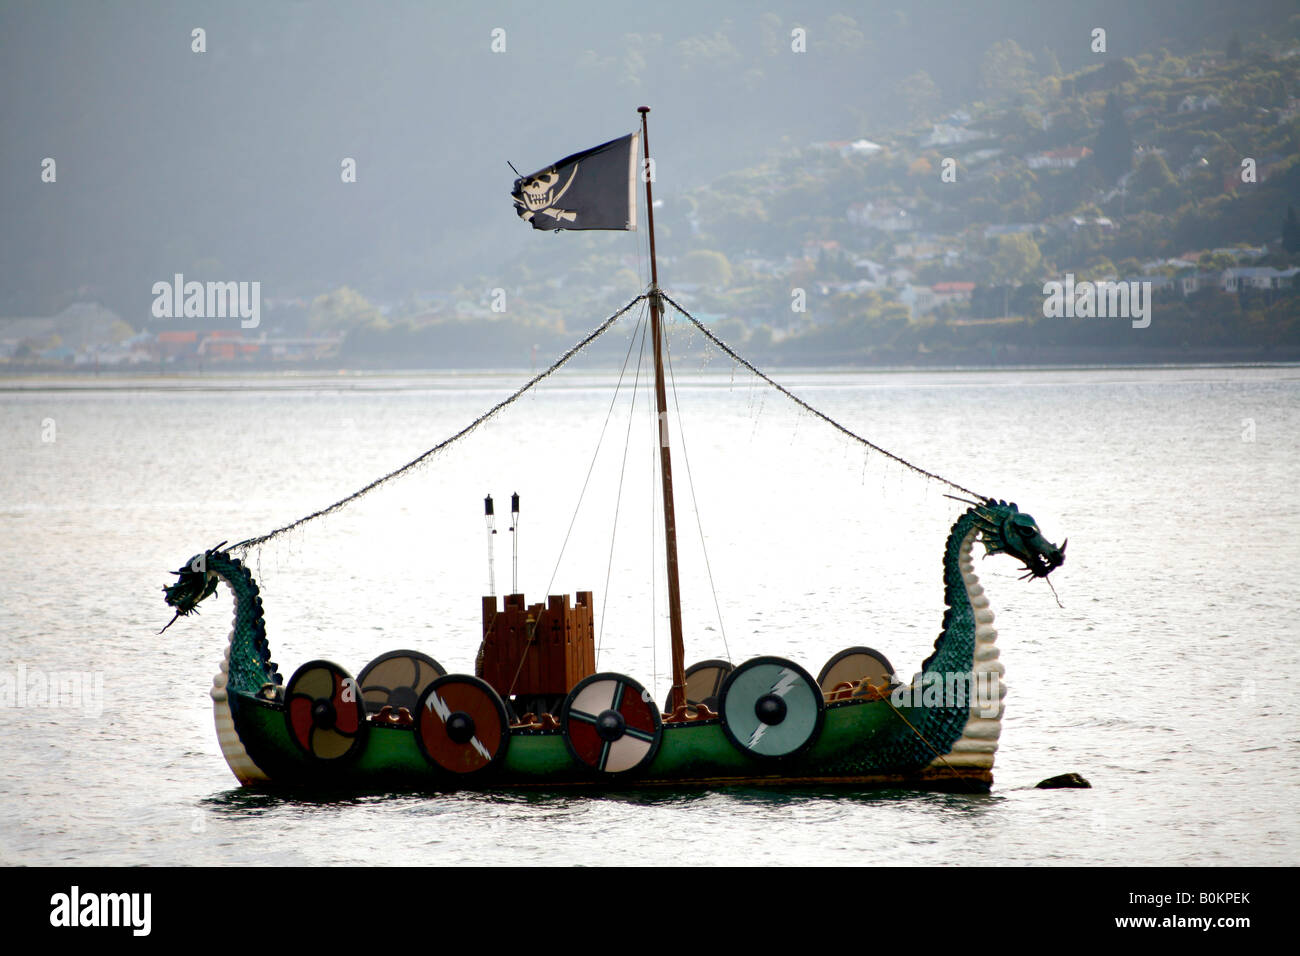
(600, 439)
(735, 357)
(248, 543)
(618, 499)
(695, 504)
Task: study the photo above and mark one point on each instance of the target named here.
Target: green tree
(1233, 49)
(1215, 261)
(120, 331)
(344, 308)
(844, 35)
(1015, 259)
(706, 267)
(1291, 231)
(919, 96)
(1005, 68)
(1152, 173)
(1048, 63)
(1113, 151)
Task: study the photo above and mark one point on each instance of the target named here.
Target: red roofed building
(176, 343)
(945, 292)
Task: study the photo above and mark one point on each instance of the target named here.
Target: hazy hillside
(225, 164)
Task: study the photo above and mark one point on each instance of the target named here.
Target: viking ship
(537, 714)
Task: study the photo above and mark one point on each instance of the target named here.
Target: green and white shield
(771, 707)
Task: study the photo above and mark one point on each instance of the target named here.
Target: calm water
(1165, 679)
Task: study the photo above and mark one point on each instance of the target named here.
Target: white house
(919, 299)
(1066, 158)
(1257, 277)
(1192, 103)
(943, 134)
(886, 216)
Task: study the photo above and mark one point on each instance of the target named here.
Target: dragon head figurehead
(195, 582)
(1005, 529)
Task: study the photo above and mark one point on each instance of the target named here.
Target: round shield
(771, 707)
(610, 723)
(855, 664)
(324, 713)
(703, 681)
(461, 724)
(397, 679)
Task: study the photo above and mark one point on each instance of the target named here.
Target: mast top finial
(643, 109)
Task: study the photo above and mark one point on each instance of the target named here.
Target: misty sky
(226, 164)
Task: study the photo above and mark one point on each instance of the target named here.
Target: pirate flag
(594, 189)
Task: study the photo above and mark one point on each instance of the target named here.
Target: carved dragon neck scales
(964, 665)
(247, 667)
(248, 659)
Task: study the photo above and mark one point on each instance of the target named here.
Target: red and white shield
(610, 724)
(461, 725)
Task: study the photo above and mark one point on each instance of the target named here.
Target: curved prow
(246, 667)
(964, 668)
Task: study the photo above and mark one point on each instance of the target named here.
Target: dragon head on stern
(1005, 529)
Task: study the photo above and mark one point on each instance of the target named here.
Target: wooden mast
(665, 457)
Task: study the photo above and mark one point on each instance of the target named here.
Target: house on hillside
(1012, 229)
(946, 292)
(858, 147)
(1066, 158)
(919, 300)
(1238, 279)
(874, 270)
(943, 134)
(1194, 104)
(1104, 223)
(1176, 263)
(172, 343)
(1257, 277)
(884, 215)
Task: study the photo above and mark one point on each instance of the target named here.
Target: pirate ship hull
(860, 745)
(774, 724)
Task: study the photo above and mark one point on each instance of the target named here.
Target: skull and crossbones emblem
(537, 194)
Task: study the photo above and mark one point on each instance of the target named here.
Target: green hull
(862, 743)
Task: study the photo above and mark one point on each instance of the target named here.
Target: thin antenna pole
(665, 458)
(491, 530)
(514, 540)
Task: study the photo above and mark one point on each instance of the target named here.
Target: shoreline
(365, 379)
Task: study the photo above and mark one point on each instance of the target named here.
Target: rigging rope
(596, 453)
(804, 405)
(601, 329)
(248, 543)
(578, 507)
(690, 483)
(618, 500)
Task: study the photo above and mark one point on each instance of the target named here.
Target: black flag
(594, 189)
